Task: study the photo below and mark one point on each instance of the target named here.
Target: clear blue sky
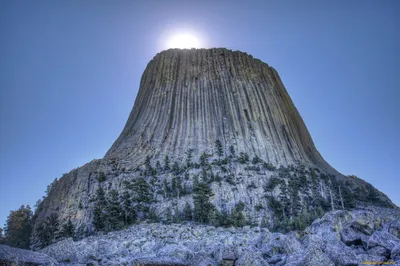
(69, 74)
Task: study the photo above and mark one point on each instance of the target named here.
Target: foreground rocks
(17, 256)
(338, 238)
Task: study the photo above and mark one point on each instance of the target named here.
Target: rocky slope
(187, 101)
(338, 238)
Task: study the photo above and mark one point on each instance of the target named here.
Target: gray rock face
(187, 100)
(17, 256)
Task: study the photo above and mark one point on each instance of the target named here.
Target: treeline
(18, 230)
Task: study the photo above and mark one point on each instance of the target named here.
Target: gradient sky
(69, 74)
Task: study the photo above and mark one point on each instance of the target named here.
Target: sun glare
(183, 41)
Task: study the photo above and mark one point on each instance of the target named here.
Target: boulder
(17, 256)
(310, 257)
(251, 258)
(62, 251)
(394, 228)
(395, 252)
(383, 239)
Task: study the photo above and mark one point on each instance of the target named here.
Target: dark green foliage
(256, 160)
(128, 211)
(204, 175)
(18, 227)
(189, 155)
(2, 239)
(167, 190)
(102, 177)
(168, 216)
(273, 182)
(51, 186)
(258, 207)
(68, 229)
(142, 191)
(218, 179)
(269, 167)
(203, 159)
(177, 217)
(149, 168)
(232, 151)
(99, 214)
(202, 205)
(348, 198)
(195, 182)
(252, 185)
(243, 158)
(114, 212)
(218, 147)
(152, 216)
(166, 163)
(187, 212)
(47, 232)
(230, 179)
(175, 168)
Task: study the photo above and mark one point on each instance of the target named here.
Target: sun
(183, 40)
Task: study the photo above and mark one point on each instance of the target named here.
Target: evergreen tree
(166, 163)
(202, 205)
(232, 151)
(167, 190)
(195, 182)
(142, 195)
(114, 212)
(158, 166)
(187, 212)
(178, 186)
(51, 186)
(256, 160)
(218, 147)
(243, 158)
(203, 159)
(52, 227)
(177, 218)
(147, 163)
(189, 155)
(128, 210)
(2, 240)
(175, 168)
(68, 229)
(168, 216)
(173, 186)
(18, 227)
(99, 215)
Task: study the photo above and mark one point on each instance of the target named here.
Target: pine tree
(189, 155)
(68, 229)
(114, 211)
(203, 159)
(158, 166)
(175, 168)
(99, 216)
(52, 226)
(128, 210)
(167, 190)
(166, 163)
(187, 212)
(232, 151)
(168, 216)
(178, 186)
(147, 163)
(173, 186)
(218, 147)
(243, 158)
(142, 195)
(18, 227)
(202, 205)
(2, 240)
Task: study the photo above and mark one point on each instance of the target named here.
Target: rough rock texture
(193, 245)
(187, 100)
(19, 257)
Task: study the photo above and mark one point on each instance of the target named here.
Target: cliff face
(187, 101)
